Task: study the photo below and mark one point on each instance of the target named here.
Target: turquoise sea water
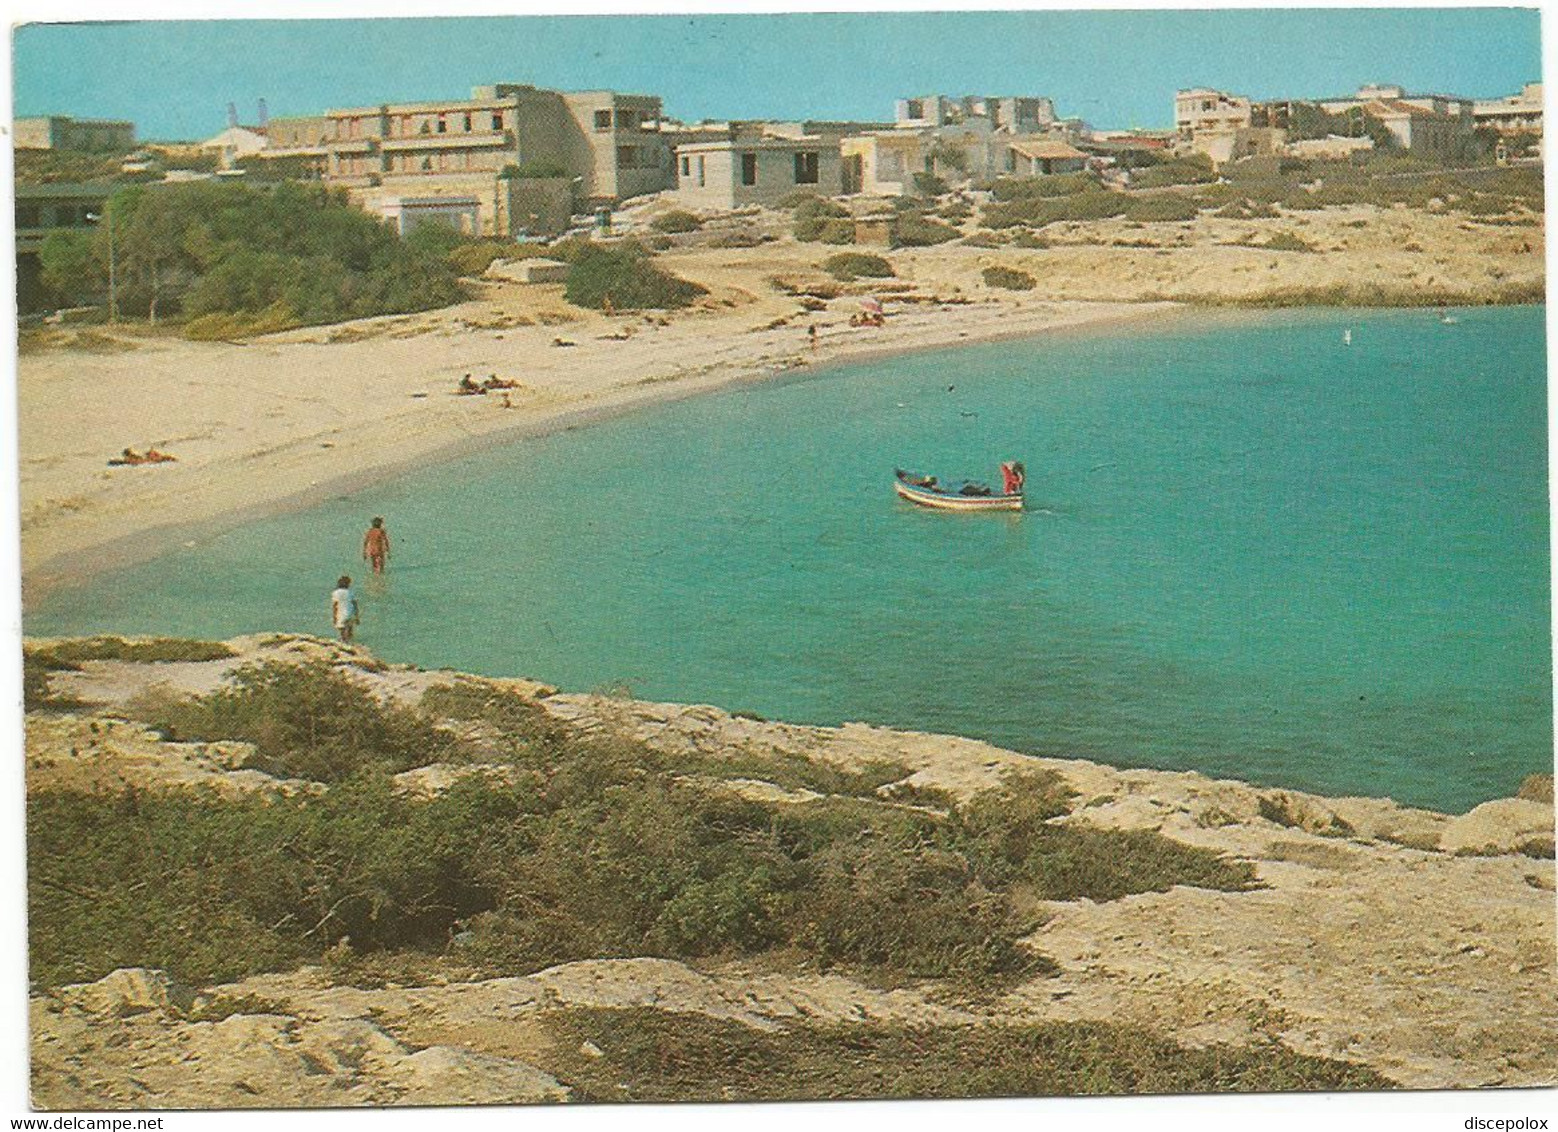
(1250, 551)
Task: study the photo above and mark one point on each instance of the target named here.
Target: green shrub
(806, 205)
(213, 890)
(1059, 184)
(653, 1055)
(306, 721)
(955, 210)
(898, 905)
(625, 275)
(805, 202)
(1161, 207)
(473, 258)
(837, 232)
(533, 170)
(1009, 278)
(912, 230)
(851, 265)
(929, 185)
(1038, 211)
(984, 238)
(676, 221)
(592, 848)
(151, 650)
(1195, 169)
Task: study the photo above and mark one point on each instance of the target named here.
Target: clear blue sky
(1114, 68)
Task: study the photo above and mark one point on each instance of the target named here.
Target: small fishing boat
(927, 492)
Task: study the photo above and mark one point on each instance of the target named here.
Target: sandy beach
(291, 418)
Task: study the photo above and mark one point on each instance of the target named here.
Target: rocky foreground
(1419, 945)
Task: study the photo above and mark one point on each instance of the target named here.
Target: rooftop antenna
(264, 116)
(232, 115)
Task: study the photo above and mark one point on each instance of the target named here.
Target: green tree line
(298, 254)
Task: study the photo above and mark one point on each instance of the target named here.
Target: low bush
(1160, 207)
(473, 258)
(656, 1056)
(625, 276)
(955, 210)
(1008, 278)
(803, 202)
(1038, 211)
(150, 650)
(837, 231)
(1196, 169)
(225, 326)
(914, 230)
(1060, 184)
(306, 721)
(984, 238)
(592, 848)
(675, 221)
(852, 265)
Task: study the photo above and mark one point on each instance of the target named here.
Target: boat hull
(945, 502)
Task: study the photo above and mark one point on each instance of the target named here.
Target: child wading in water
(376, 546)
(343, 608)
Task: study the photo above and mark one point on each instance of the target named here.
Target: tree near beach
(296, 254)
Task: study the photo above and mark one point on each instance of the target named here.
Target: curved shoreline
(76, 544)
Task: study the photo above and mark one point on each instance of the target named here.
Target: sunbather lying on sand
(131, 458)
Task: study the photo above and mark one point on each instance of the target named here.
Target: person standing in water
(343, 608)
(376, 546)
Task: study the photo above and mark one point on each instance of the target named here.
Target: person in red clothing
(376, 546)
(1012, 477)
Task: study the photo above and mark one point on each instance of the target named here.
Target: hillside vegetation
(574, 848)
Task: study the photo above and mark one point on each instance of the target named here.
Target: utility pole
(113, 293)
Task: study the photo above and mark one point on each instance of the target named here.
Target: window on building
(427, 163)
(700, 172)
(467, 123)
(497, 121)
(627, 119)
(425, 128)
(686, 167)
(443, 126)
(916, 108)
(749, 168)
(603, 119)
(805, 168)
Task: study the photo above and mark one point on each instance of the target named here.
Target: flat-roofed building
(1518, 114)
(80, 135)
(606, 146)
(1202, 110)
(1042, 157)
(734, 172)
(1452, 106)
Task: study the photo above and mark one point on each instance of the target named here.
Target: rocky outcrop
(129, 1041)
(1504, 825)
